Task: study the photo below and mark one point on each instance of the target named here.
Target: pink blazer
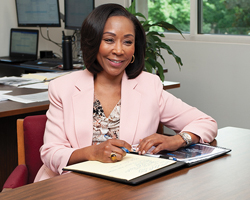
(143, 104)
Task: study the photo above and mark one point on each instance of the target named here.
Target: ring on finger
(113, 156)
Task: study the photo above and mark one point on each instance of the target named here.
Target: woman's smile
(115, 63)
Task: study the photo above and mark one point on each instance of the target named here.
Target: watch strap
(186, 137)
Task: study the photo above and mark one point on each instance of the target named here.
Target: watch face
(186, 137)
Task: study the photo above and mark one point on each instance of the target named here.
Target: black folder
(137, 180)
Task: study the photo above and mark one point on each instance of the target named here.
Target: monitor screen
(38, 13)
(23, 41)
(76, 11)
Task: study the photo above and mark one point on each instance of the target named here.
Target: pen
(168, 157)
(123, 148)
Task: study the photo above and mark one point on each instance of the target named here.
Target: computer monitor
(75, 11)
(38, 13)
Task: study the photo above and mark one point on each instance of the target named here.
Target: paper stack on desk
(2, 92)
(17, 81)
(43, 78)
(35, 81)
(29, 98)
(47, 76)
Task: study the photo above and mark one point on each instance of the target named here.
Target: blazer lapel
(83, 109)
(130, 109)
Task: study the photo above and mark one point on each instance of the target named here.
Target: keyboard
(58, 61)
(40, 64)
(45, 63)
(12, 59)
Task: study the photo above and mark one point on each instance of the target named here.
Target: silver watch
(186, 137)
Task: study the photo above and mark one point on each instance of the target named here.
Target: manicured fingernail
(143, 152)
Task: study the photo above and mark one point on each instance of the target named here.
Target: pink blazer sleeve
(56, 150)
(69, 119)
(179, 116)
(145, 104)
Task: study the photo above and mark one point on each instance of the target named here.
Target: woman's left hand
(161, 142)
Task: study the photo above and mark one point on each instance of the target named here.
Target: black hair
(92, 33)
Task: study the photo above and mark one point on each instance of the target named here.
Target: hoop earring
(133, 59)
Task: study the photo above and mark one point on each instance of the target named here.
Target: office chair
(30, 131)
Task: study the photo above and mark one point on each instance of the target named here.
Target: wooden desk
(226, 177)
(11, 108)
(170, 85)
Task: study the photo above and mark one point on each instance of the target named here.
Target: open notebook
(133, 169)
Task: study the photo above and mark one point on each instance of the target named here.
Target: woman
(113, 104)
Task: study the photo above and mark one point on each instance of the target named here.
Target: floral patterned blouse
(105, 127)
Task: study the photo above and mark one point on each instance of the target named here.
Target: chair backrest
(33, 131)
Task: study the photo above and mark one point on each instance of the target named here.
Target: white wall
(124, 3)
(7, 21)
(214, 78)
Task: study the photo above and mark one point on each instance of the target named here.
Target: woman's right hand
(100, 152)
(103, 151)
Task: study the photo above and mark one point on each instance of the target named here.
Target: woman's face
(117, 46)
